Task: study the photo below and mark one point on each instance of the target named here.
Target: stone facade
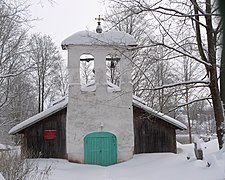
(99, 110)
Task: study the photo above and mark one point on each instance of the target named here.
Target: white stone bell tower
(100, 105)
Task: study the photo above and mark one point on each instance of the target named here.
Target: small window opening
(113, 73)
(87, 74)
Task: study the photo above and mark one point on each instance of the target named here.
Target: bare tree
(19, 67)
(15, 166)
(45, 55)
(16, 96)
(12, 45)
(61, 82)
(150, 67)
(173, 20)
(86, 71)
(202, 118)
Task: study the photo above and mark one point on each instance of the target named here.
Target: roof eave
(178, 125)
(18, 129)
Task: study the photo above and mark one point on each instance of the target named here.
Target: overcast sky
(65, 17)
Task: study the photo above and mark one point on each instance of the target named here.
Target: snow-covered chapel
(99, 107)
(100, 122)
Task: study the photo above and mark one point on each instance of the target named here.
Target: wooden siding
(152, 134)
(35, 143)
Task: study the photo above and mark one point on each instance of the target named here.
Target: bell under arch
(113, 72)
(87, 72)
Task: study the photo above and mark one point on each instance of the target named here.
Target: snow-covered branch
(16, 74)
(7, 123)
(177, 84)
(185, 104)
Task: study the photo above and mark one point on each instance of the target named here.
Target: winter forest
(178, 64)
(33, 73)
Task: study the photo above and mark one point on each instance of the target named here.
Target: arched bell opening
(87, 73)
(113, 72)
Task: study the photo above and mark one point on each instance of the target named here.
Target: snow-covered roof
(38, 117)
(105, 38)
(141, 104)
(138, 102)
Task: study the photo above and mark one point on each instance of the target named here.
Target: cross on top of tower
(99, 28)
(99, 19)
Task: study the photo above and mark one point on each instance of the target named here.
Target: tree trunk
(218, 110)
(222, 67)
(188, 116)
(222, 77)
(215, 93)
(212, 71)
(42, 93)
(39, 94)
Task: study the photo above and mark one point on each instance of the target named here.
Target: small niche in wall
(113, 73)
(87, 73)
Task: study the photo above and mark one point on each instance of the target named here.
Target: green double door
(100, 148)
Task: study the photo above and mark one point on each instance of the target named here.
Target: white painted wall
(87, 110)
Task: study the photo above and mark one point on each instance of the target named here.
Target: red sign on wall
(49, 134)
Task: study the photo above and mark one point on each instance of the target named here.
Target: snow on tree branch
(191, 102)
(177, 84)
(15, 74)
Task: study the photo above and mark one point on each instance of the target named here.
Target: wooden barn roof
(40, 116)
(138, 102)
(62, 103)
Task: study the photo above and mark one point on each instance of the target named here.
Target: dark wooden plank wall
(35, 143)
(152, 134)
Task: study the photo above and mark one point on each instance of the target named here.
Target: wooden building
(154, 131)
(47, 138)
(45, 133)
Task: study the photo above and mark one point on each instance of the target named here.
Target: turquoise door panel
(100, 148)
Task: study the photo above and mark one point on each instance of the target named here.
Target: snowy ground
(154, 166)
